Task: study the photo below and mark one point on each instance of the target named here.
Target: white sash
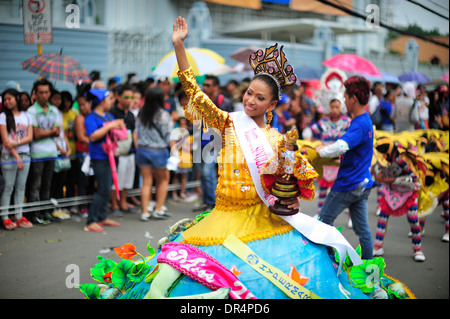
(256, 148)
(257, 152)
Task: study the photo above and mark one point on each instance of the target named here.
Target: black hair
(375, 85)
(111, 81)
(10, 122)
(67, 96)
(21, 107)
(42, 82)
(94, 75)
(214, 78)
(270, 82)
(388, 92)
(181, 95)
(122, 88)
(335, 100)
(154, 102)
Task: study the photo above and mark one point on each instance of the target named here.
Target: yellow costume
(239, 209)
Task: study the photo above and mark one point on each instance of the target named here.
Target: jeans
(40, 179)
(356, 201)
(99, 206)
(208, 177)
(15, 180)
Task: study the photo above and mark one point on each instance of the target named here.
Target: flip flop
(93, 229)
(110, 223)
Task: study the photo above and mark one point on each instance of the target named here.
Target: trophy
(285, 186)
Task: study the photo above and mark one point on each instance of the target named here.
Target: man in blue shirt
(353, 183)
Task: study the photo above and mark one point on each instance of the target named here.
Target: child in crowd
(183, 146)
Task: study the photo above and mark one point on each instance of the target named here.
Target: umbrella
(415, 77)
(352, 63)
(202, 61)
(55, 67)
(385, 77)
(314, 84)
(307, 73)
(110, 150)
(243, 54)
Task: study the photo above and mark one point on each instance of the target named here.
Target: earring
(269, 116)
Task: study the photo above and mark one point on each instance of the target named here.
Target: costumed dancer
(435, 190)
(330, 128)
(396, 169)
(241, 249)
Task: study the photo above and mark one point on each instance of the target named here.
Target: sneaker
(188, 198)
(38, 219)
(161, 215)
(419, 256)
(445, 237)
(146, 217)
(24, 223)
(61, 214)
(84, 212)
(378, 252)
(152, 204)
(49, 218)
(8, 224)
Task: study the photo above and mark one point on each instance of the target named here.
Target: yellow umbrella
(202, 61)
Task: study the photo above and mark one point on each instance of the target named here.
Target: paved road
(36, 263)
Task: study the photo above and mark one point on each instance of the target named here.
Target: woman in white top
(16, 132)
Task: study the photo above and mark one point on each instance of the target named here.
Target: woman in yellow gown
(240, 212)
(252, 252)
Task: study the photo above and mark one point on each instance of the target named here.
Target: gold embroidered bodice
(235, 187)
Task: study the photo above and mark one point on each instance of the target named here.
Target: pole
(39, 52)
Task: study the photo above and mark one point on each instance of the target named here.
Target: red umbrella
(352, 63)
(55, 67)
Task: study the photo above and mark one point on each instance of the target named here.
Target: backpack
(377, 118)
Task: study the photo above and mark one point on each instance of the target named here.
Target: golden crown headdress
(273, 63)
(292, 135)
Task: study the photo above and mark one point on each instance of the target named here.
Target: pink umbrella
(352, 63)
(110, 149)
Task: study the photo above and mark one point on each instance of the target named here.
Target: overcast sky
(406, 13)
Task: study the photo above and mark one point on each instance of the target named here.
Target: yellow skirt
(249, 224)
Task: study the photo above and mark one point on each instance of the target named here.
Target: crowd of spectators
(46, 148)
